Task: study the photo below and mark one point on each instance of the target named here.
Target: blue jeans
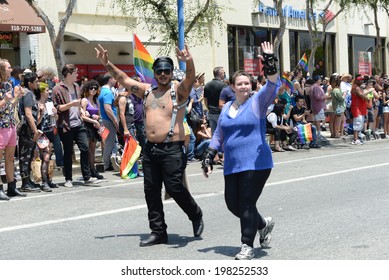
(201, 148)
(191, 146)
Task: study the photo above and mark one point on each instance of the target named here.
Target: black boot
(13, 191)
(3, 196)
(51, 184)
(27, 187)
(95, 173)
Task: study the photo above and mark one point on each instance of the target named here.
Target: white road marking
(132, 208)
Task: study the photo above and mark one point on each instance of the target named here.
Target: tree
(325, 18)
(160, 18)
(55, 39)
(280, 33)
(375, 6)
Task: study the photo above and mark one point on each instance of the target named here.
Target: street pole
(181, 35)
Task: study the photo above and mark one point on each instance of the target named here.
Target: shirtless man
(164, 156)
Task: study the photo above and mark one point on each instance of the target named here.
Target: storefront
(17, 21)
(234, 45)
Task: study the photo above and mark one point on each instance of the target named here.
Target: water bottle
(53, 122)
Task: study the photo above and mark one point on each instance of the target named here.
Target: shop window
(243, 48)
(300, 43)
(362, 55)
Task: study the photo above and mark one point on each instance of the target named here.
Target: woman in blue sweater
(240, 134)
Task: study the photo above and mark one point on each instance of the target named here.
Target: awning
(96, 37)
(89, 37)
(18, 16)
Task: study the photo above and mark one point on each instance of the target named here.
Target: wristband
(269, 64)
(208, 157)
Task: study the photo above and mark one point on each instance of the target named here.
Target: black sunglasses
(93, 88)
(166, 71)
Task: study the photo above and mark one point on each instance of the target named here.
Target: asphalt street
(328, 204)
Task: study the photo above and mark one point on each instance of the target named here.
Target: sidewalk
(344, 139)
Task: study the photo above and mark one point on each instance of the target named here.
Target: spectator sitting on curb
(277, 125)
(299, 113)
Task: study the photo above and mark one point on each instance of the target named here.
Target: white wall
(208, 56)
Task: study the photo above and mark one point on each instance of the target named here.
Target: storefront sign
(287, 11)
(6, 40)
(364, 63)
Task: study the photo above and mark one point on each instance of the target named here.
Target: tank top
(92, 110)
(128, 113)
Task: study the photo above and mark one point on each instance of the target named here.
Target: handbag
(36, 169)
(50, 172)
(43, 142)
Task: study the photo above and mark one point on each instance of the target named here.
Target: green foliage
(160, 18)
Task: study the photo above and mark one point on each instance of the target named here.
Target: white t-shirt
(272, 118)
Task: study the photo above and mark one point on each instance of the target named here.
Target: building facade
(348, 46)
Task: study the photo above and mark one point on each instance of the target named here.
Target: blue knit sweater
(242, 139)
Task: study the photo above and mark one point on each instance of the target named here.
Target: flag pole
(181, 30)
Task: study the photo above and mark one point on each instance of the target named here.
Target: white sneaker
(265, 233)
(246, 253)
(115, 164)
(357, 142)
(91, 181)
(68, 184)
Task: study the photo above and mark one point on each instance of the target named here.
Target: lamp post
(181, 34)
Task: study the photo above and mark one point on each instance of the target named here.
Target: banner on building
(364, 63)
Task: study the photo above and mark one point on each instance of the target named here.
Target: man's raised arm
(131, 85)
(186, 84)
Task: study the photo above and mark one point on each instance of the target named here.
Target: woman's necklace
(238, 104)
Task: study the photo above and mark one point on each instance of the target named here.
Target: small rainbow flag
(304, 62)
(143, 61)
(304, 132)
(285, 80)
(131, 153)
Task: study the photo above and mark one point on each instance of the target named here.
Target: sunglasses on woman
(93, 88)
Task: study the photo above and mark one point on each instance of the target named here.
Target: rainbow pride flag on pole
(304, 62)
(304, 132)
(285, 80)
(143, 61)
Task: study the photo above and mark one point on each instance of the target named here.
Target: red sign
(253, 66)
(364, 63)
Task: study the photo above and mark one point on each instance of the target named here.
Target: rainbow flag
(285, 80)
(131, 153)
(304, 132)
(143, 61)
(304, 62)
